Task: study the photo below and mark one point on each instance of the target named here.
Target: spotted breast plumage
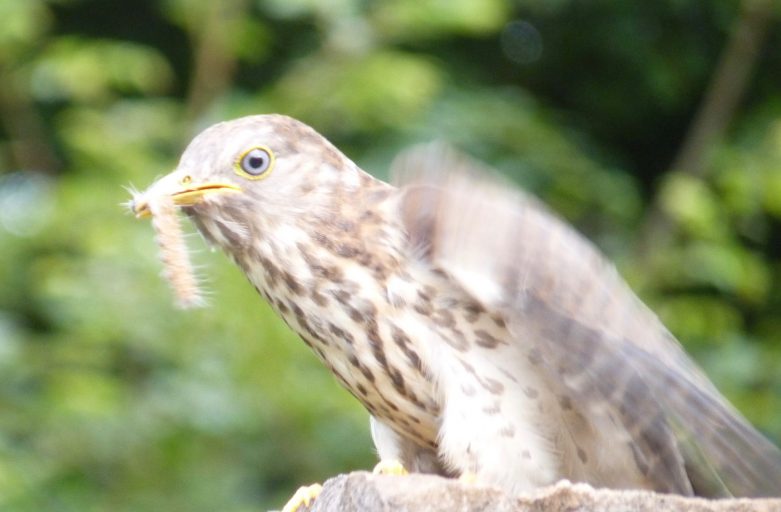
(483, 335)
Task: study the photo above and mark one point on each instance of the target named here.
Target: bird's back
(594, 342)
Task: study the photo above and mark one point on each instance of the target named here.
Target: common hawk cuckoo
(482, 333)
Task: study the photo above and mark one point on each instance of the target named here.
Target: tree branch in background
(214, 62)
(718, 107)
(28, 140)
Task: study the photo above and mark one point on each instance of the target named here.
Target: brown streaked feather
(593, 339)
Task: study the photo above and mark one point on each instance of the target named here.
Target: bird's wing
(592, 336)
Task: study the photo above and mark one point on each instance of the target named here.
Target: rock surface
(363, 491)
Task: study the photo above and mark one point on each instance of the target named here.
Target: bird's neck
(348, 234)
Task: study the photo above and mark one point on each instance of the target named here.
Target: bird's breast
(340, 307)
(369, 349)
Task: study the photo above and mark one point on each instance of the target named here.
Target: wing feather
(592, 336)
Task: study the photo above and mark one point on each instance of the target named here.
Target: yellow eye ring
(256, 163)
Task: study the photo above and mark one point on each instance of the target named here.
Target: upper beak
(181, 189)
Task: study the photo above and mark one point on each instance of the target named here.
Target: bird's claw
(390, 467)
(468, 477)
(304, 496)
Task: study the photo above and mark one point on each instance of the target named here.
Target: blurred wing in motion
(592, 337)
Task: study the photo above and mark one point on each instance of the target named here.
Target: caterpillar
(178, 269)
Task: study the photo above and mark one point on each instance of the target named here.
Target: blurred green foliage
(112, 399)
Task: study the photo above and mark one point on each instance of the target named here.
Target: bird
(485, 336)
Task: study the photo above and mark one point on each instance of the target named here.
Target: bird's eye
(255, 163)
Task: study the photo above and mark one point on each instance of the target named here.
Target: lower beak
(182, 192)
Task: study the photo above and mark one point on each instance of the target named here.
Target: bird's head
(239, 177)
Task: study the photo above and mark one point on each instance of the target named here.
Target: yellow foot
(304, 496)
(389, 467)
(468, 477)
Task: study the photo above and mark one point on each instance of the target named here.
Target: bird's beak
(181, 189)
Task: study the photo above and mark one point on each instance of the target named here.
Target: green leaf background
(112, 399)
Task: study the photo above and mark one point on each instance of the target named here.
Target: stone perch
(362, 491)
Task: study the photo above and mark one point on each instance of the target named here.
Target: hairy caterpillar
(173, 252)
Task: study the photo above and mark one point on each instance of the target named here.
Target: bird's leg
(399, 455)
(468, 477)
(304, 496)
(390, 448)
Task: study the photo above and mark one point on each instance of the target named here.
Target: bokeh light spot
(26, 202)
(521, 42)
